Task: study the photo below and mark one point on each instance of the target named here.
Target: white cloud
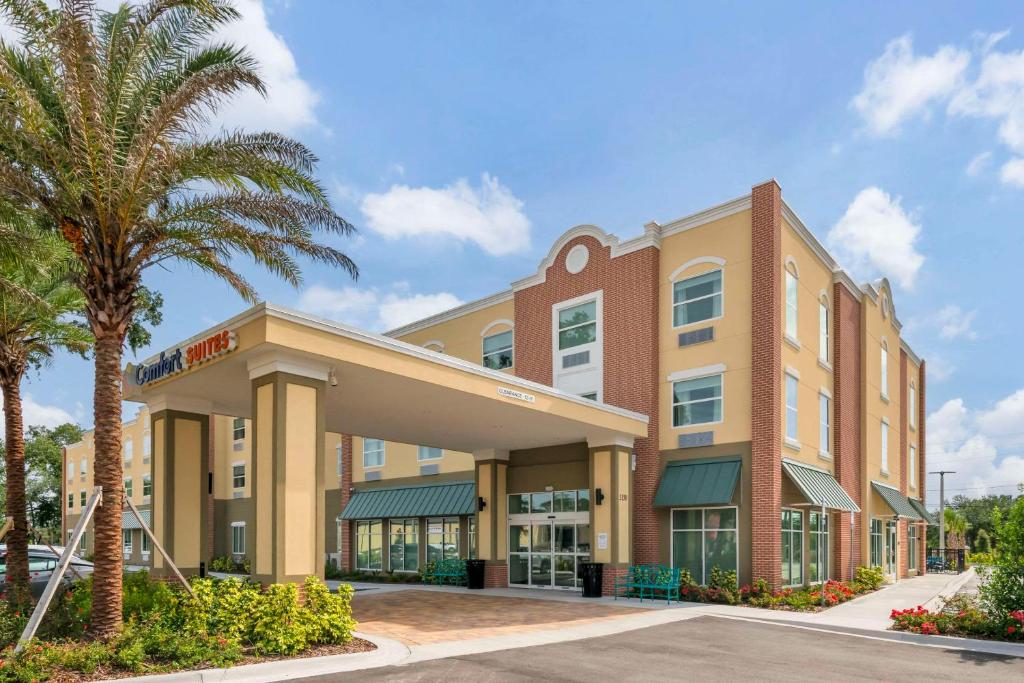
(876, 236)
(35, 414)
(373, 309)
(488, 215)
(900, 85)
(978, 163)
(954, 323)
(939, 368)
(1012, 172)
(982, 446)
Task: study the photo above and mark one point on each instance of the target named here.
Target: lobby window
(884, 371)
(823, 330)
(126, 541)
(238, 475)
(791, 302)
(912, 405)
(577, 325)
(128, 487)
(913, 546)
(442, 539)
(147, 486)
(792, 409)
(405, 545)
(704, 538)
(912, 466)
(238, 538)
(817, 563)
(697, 299)
(373, 453)
(429, 453)
(238, 429)
(876, 543)
(697, 401)
(129, 449)
(497, 351)
(824, 424)
(71, 501)
(369, 545)
(885, 446)
(82, 501)
(792, 548)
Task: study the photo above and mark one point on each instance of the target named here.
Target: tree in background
(44, 467)
(956, 529)
(1004, 590)
(982, 542)
(104, 121)
(978, 513)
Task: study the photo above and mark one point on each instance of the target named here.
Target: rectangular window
(884, 379)
(912, 465)
(147, 447)
(84, 468)
(405, 545)
(704, 538)
(697, 401)
(913, 546)
(824, 428)
(238, 475)
(429, 453)
(472, 538)
(792, 548)
(373, 453)
(71, 501)
(238, 538)
(817, 562)
(792, 411)
(697, 298)
(885, 446)
(912, 407)
(791, 305)
(145, 542)
(369, 545)
(340, 455)
(83, 497)
(147, 486)
(126, 541)
(577, 325)
(238, 429)
(498, 351)
(876, 543)
(128, 487)
(823, 331)
(443, 538)
(129, 450)
(71, 470)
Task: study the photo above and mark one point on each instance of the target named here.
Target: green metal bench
(655, 581)
(451, 571)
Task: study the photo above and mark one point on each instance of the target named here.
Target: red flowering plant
(960, 616)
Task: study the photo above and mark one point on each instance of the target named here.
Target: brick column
(345, 548)
(766, 380)
(903, 530)
(922, 469)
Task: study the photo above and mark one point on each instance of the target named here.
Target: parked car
(41, 564)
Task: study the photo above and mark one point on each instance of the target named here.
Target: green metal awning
(896, 501)
(819, 487)
(710, 481)
(434, 500)
(923, 511)
(130, 521)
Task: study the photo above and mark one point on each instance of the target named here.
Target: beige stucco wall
(462, 337)
(912, 428)
(400, 460)
(876, 329)
(728, 239)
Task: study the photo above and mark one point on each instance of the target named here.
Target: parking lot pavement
(708, 649)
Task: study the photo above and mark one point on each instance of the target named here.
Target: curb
(951, 588)
(388, 652)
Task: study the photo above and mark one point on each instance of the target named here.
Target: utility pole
(942, 511)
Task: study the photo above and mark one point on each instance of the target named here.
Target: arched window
(884, 370)
(792, 308)
(497, 345)
(824, 328)
(697, 296)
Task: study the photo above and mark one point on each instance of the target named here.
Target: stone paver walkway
(420, 617)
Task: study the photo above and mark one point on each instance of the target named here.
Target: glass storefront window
(817, 562)
(369, 545)
(565, 501)
(792, 548)
(541, 502)
(442, 539)
(404, 545)
(876, 543)
(704, 538)
(583, 500)
(519, 504)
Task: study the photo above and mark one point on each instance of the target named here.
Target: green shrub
(871, 578)
(329, 614)
(280, 625)
(983, 542)
(1003, 591)
(228, 565)
(980, 559)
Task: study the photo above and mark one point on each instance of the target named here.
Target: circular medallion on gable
(576, 259)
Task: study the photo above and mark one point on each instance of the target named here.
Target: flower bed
(228, 622)
(722, 589)
(960, 616)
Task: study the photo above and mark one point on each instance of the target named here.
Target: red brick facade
(629, 283)
(903, 565)
(495, 575)
(345, 550)
(921, 468)
(846, 374)
(766, 380)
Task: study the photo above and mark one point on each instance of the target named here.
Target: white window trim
(419, 454)
(824, 303)
(595, 347)
(912, 466)
(787, 440)
(825, 455)
(484, 336)
(676, 277)
(912, 400)
(884, 450)
(792, 339)
(129, 547)
(703, 560)
(239, 463)
(237, 525)
(685, 375)
(804, 524)
(383, 455)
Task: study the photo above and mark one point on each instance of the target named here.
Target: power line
(978, 488)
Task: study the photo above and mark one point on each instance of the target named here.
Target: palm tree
(36, 319)
(956, 528)
(103, 120)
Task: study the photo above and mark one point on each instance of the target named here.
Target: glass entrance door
(546, 545)
(890, 549)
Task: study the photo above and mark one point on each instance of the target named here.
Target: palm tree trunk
(14, 456)
(106, 595)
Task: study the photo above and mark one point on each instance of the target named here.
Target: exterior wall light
(598, 496)
(480, 504)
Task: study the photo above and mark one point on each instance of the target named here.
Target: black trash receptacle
(592, 574)
(474, 574)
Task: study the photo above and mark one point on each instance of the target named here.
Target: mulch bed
(354, 646)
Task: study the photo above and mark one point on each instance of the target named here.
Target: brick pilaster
(495, 574)
(846, 373)
(922, 468)
(345, 549)
(766, 380)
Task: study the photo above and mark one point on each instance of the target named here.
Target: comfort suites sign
(183, 358)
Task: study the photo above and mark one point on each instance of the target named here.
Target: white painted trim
(237, 524)
(495, 323)
(792, 341)
(270, 363)
(910, 352)
(792, 444)
(695, 262)
(596, 347)
(695, 373)
(843, 278)
(825, 392)
(452, 314)
(706, 216)
(790, 261)
(617, 440)
(434, 342)
(824, 365)
(807, 236)
(792, 372)
(183, 404)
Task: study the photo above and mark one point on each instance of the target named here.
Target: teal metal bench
(655, 581)
(450, 571)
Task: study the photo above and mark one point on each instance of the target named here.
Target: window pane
(687, 553)
(791, 304)
(695, 311)
(584, 334)
(565, 501)
(698, 389)
(541, 538)
(583, 500)
(519, 503)
(686, 519)
(499, 360)
(498, 342)
(583, 538)
(694, 287)
(540, 502)
(577, 315)
(719, 550)
(787, 574)
(518, 538)
(429, 453)
(565, 538)
(724, 518)
(701, 412)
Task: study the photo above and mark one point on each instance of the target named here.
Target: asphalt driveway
(708, 649)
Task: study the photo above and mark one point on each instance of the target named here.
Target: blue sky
(463, 138)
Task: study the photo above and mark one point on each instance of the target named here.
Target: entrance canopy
(376, 386)
(818, 486)
(897, 502)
